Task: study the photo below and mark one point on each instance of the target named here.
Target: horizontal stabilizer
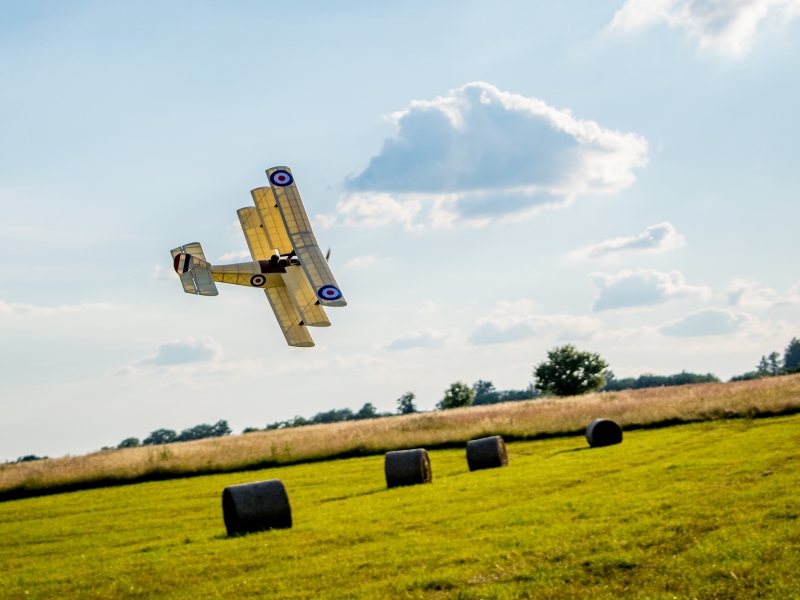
(194, 272)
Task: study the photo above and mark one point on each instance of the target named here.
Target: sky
(493, 179)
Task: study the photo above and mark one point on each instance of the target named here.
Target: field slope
(706, 510)
(535, 419)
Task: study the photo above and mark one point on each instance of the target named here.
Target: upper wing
(294, 279)
(257, 241)
(295, 219)
(274, 229)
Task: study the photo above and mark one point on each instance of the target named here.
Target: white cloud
(236, 255)
(181, 352)
(425, 338)
(368, 209)
(708, 321)
(516, 321)
(654, 240)
(426, 307)
(727, 25)
(360, 262)
(479, 154)
(642, 288)
(325, 221)
(747, 293)
(14, 308)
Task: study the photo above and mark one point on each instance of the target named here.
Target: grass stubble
(706, 510)
(529, 420)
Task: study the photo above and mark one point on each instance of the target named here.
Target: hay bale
(603, 432)
(256, 506)
(486, 453)
(407, 467)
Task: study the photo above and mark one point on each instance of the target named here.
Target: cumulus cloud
(360, 262)
(181, 352)
(654, 240)
(747, 293)
(727, 25)
(708, 321)
(642, 288)
(369, 209)
(516, 321)
(479, 154)
(324, 221)
(425, 338)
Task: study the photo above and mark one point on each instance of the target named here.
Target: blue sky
(494, 180)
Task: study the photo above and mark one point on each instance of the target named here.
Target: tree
(791, 356)
(368, 411)
(570, 372)
(485, 392)
(130, 442)
(160, 436)
(405, 404)
(457, 395)
(770, 365)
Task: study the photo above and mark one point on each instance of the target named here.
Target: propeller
(328, 255)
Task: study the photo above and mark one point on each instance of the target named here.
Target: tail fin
(195, 273)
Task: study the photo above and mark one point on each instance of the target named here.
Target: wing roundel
(304, 243)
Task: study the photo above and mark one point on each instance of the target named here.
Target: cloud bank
(654, 240)
(642, 288)
(726, 25)
(479, 154)
(516, 321)
(709, 321)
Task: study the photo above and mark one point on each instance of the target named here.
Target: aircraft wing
(291, 309)
(289, 319)
(298, 227)
(274, 229)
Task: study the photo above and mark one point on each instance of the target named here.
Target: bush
(485, 393)
(29, 458)
(648, 380)
(457, 395)
(130, 442)
(570, 372)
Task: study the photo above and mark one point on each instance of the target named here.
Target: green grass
(707, 510)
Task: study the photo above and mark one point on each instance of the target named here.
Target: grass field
(534, 419)
(707, 510)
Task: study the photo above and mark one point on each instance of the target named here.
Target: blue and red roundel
(258, 280)
(281, 178)
(329, 292)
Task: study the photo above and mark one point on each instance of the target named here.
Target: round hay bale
(407, 467)
(603, 432)
(486, 453)
(256, 506)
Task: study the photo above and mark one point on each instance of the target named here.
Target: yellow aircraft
(287, 261)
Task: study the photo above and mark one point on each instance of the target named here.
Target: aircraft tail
(195, 273)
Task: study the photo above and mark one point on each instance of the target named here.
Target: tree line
(567, 371)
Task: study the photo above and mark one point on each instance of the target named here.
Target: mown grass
(535, 419)
(707, 510)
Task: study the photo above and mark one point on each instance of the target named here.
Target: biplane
(287, 264)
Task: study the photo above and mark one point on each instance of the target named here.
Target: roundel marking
(258, 280)
(281, 178)
(329, 292)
